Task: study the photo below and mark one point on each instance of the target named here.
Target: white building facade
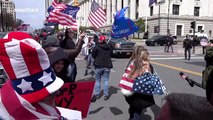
(9, 7)
(177, 22)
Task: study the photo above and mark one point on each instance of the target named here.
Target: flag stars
(25, 86)
(46, 78)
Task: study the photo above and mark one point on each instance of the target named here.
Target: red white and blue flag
(97, 16)
(60, 13)
(23, 27)
(126, 82)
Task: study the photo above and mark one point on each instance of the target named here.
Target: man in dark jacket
(187, 44)
(72, 50)
(102, 62)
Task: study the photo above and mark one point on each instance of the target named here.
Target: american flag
(97, 16)
(63, 14)
(125, 82)
(149, 84)
(23, 27)
(58, 6)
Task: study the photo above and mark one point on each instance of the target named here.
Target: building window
(151, 10)
(179, 30)
(156, 29)
(175, 9)
(196, 11)
(199, 28)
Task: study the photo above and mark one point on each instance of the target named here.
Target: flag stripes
(97, 16)
(58, 6)
(63, 19)
(63, 14)
(126, 82)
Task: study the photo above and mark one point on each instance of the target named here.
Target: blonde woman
(138, 65)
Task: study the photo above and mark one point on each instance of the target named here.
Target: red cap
(102, 38)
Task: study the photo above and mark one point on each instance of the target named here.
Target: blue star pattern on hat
(148, 84)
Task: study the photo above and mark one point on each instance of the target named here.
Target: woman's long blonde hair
(141, 61)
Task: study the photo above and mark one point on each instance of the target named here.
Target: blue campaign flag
(120, 14)
(122, 27)
(71, 10)
(151, 2)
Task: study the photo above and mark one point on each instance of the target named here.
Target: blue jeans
(72, 72)
(104, 74)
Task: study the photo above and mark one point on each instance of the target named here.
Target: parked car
(121, 46)
(159, 40)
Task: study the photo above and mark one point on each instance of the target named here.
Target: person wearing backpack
(187, 44)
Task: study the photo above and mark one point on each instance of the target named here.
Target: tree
(19, 22)
(8, 21)
(141, 24)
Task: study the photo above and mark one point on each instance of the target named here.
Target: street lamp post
(168, 30)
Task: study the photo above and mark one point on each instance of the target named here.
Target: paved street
(167, 65)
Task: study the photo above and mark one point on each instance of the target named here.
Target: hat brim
(56, 85)
(43, 93)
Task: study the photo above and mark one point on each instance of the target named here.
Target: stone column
(119, 4)
(126, 3)
(101, 3)
(104, 6)
(113, 10)
(108, 12)
(133, 9)
(140, 10)
(84, 14)
(89, 10)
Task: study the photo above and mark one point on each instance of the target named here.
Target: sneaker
(95, 97)
(92, 73)
(85, 74)
(106, 97)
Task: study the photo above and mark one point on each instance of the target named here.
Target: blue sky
(31, 12)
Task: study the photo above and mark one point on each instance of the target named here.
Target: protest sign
(76, 96)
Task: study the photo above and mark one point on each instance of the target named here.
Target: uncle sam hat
(28, 67)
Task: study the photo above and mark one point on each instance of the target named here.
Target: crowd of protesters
(59, 52)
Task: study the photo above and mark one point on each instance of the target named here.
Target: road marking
(176, 58)
(178, 69)
(112, 70)
(161, 55)
(169, 55)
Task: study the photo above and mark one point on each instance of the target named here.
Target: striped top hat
(28, 67)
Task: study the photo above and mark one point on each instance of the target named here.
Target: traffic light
(76, 2)
(193, 24)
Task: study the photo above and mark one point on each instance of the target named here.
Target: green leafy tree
(19, 22)
(141, 24)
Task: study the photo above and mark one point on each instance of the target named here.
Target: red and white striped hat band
(28, 67)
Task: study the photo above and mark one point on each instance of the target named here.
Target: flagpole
(109, 39)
